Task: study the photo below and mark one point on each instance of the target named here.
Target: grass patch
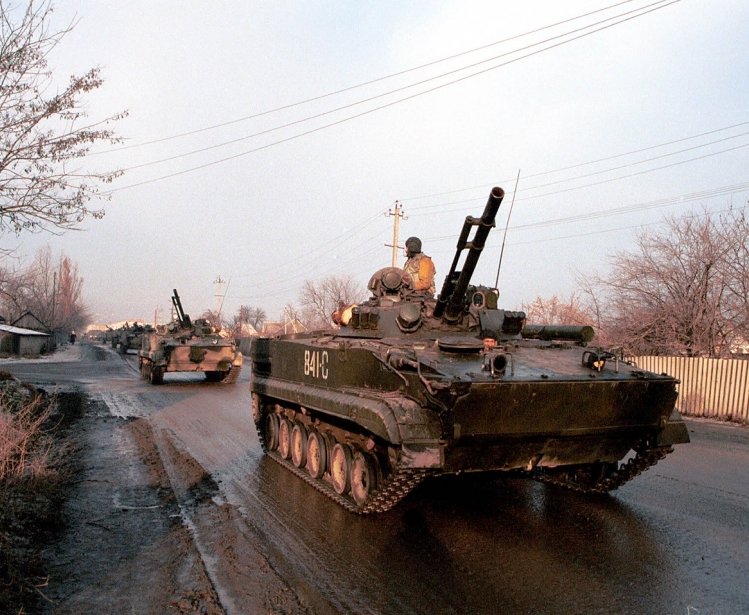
(35, 469)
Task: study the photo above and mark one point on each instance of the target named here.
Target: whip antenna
(504, 237)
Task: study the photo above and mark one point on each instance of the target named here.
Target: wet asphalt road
(675, 540)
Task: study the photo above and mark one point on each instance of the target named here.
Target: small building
(19, 341)
(26, 335)
(290, 325)
(245, 329)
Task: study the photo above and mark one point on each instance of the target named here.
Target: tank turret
(412, 386)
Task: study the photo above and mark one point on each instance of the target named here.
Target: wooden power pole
(397, 215)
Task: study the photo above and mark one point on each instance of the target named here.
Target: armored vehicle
(130, 337)
(411, 387)
(188, 346)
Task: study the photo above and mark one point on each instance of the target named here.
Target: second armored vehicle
(410, 387)
(188, 346)
(130, 337)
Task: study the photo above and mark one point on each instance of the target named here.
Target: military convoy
(411, 387)
(188, 346)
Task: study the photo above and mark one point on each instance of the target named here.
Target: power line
(381, 95)
(313, 255)
(592, 184)
(569, 167)
(657, 6)
(623, 228)
(364, 83)
(681, 198)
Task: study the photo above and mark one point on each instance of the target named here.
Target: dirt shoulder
(104, 534)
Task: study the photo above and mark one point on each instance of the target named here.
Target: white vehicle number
(316, 363)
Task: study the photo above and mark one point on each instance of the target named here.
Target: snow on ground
(62, 354)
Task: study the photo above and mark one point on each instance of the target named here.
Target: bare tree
(734, 234)
(291, 312)
(247, 315)
(680, 291)
(254, 316)
(51, 289)
(553, 310)
(13, 293)
(70, 312)
(320, 299)
(290, 315)
(44, 134)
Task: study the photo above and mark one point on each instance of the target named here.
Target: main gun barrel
(450, 303)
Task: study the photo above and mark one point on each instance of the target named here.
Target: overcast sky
(609, 133)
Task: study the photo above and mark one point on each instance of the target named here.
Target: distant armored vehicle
(411, 387)
(130, 337)
(187, 346)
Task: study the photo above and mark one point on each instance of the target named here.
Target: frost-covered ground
(63, 353)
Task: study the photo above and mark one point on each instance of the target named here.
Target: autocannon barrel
(450, 303)
(184, 319)
(575, 333)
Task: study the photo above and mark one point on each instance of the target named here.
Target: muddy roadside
(112, 534)
(104, 533)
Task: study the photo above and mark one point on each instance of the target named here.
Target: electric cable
(364, 83)
(381, 107)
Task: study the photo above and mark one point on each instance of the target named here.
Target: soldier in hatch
(419, 266)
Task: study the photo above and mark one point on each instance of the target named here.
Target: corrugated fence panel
(716, 388)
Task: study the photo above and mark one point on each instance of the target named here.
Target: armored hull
(411, 387)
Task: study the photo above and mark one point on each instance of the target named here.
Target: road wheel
(317, 454)
(340, 468)
(299, 445)
(157, 374)
(271, 431)
(284, 438)
(363, 476)
(231, 376)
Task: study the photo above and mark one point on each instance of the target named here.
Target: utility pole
(219, 295)
(397, 215)
(54, 299)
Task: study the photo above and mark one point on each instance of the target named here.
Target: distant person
(72, 337)
(419, 266)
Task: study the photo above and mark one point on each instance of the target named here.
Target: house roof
(32, 315)
(20, 331)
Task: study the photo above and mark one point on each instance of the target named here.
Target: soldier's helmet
(413, 246)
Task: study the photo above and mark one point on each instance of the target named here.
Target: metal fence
(715, 388)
